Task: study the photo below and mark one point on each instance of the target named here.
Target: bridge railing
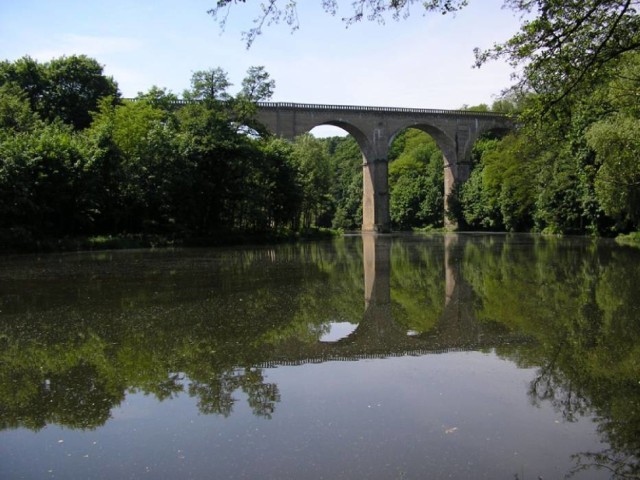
(354, 108)
(360, 108)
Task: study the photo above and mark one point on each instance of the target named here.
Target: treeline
(78, 160)
(571, 167)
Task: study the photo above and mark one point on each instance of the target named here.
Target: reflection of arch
(379, 335)
(457, 327)
(374, 128)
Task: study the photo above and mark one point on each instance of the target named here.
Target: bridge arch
(374, 128)
(359, 136)
(447, 146)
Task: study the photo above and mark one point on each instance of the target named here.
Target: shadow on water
(81, 331)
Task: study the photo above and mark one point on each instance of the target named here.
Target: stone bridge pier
(374, 128)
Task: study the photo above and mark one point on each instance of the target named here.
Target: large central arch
(374, 128)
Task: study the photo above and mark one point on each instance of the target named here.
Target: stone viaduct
(374, 128)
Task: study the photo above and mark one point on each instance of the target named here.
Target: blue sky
(421, 62)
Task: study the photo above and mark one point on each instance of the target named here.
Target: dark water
(391, 357)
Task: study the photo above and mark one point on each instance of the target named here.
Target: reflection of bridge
(374, 128)
(378, 335)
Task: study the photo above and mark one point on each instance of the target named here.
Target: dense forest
(79, 161)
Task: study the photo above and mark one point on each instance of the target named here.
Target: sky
(424, 61)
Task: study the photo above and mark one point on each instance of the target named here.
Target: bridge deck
(370, 109)
(357, 108)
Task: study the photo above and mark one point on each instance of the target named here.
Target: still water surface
(378, 357)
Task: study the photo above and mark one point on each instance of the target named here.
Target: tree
(159, 97)
(567, 45)
(143, 143)
(16, 114)
(280, 181)
(43, 172)
(209, 85)
(28, 75)
(75, 86)
(345, 158)
(257, 85)
(416, 181)
(316, 178)
(68, 88)
(274, 11)
(617, 146)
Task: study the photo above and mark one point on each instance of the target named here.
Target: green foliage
(75, 85)
(273, 11)
(632, 239)
(479, 210)
(556, 174)
(43, 181)
(141, 158)
(66, 88)
(257, 85)
(210, 85)
(416, 181)
(159, 98)
(346, 161)
(617, 146)
(564, 47)
(15, 111)
(316, 176)
(142, 167)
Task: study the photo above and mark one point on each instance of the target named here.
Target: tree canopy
(67, 88)
(564, 45)
(275, 11)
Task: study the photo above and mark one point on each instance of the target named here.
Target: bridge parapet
(358, 108)
(374, 109)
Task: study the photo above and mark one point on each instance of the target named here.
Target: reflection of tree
(579, 301)
(418, 283)
(619, 465)
(216, 395)
(555, 386)
(77, 398)
(74, 341)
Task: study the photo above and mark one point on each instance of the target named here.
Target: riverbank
(21, 243)
(631, 239)
(17, 243)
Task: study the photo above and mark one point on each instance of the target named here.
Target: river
(378, 357)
